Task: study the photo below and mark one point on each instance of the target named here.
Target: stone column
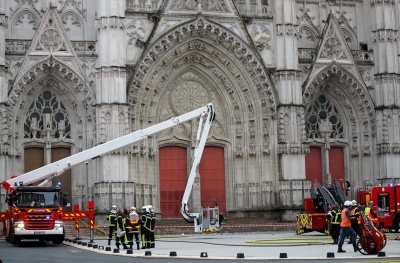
(112, 110)
(3, 86)
(291, 110)
(325, 128)
(384, 37)
(5, 146)
(291, 129)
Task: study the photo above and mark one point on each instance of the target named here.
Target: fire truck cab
(37, 211)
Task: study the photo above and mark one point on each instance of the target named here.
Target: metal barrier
(77, 215)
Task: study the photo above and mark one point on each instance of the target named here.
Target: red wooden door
(212, 178)
(336, 163)
(314, 165)
(173, 179)
(64, 179)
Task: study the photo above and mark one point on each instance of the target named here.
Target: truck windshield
(37, 199)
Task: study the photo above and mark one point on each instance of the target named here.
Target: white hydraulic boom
(49, 171)
(200, 221)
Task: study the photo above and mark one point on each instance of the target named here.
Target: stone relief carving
(288, 29)
(307, 29)
(27, 17)
(13, 65)
(89, 67)
(72, 5)
(189, 95)
(183, 5)
(238, 148)
(207, 5)
(332, 48)
(214, 32)
(213, 5)
(25, 4)
(136, 30)
(69, 20)
(385, 34)
(366, 75)
(261, 37)
(51, 40)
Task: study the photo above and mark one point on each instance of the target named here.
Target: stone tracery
(213, 32)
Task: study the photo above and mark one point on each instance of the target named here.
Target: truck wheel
(15, 240)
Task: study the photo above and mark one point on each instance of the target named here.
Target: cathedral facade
(304, 92)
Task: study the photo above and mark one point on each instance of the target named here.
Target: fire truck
(35, 212)
(316, 207)
(386, 201)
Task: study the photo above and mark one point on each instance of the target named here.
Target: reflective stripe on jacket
(367, 211)
(111, 218)
(335, 216)
(356, 212)
(345, 220)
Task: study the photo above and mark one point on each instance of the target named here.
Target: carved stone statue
(34, 127)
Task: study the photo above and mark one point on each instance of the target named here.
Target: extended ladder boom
(202, 134)
(58, 167)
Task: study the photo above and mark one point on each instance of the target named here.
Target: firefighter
(121, 223)
(111, 218)
(145, 223)
(133, 228)
(346, 228)
(368, 211)
(152, 216)
(356, 222)
(333, 217)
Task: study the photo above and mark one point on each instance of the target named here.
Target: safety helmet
(347, 203)
(354, 202)
(114, 206)
(371, 203)
(144, 207)
(133, 208)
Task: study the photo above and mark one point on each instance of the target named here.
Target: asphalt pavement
(254, 246)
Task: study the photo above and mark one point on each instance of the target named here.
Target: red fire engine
(316, 207)
(35, 212)
(386, 200)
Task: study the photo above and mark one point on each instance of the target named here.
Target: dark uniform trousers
(111, 219)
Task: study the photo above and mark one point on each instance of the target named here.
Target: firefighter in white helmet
(346, 228)
(133, 228)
